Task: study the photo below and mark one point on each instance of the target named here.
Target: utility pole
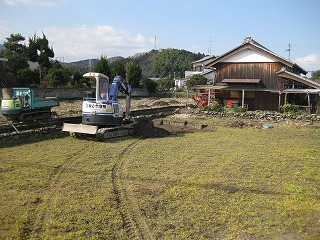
(289, 50)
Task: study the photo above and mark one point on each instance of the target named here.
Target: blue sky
(80, 30)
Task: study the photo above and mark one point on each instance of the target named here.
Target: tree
(29, 76)
(173, 62)
(78, 80)
(195, 80)
(315, 76)
(149, 84)
(133, 73)
(59, 77)
(165, 84)
(102, 66)
(39, 51)
(118, 68)
(15, 53)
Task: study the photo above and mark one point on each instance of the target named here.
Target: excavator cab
(104, 109)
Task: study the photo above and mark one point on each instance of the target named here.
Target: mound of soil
(174, 102)
(160, 103)
(146, 129)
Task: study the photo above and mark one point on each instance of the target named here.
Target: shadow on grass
(19, 140)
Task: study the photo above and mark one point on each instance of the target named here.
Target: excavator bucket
(79, 128)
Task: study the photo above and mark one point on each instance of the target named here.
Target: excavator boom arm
(120, 84)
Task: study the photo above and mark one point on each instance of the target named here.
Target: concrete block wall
(78, 93)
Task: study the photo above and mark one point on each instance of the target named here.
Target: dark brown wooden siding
(257, 100)
(266, 101)
(266, 72)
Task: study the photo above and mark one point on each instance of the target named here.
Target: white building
(208, 73)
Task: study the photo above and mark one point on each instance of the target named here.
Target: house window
(293, 84)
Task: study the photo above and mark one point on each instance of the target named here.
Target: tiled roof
(285, 74)
(253, 43)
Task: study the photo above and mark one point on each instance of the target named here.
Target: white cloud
(84, 42)
(4, 33)
(36, 2)
(195, 47)
(310, 62)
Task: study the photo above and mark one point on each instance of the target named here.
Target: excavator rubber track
(114, 132)
(36, 115)
(102, 133)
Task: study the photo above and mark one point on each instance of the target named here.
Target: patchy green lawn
(230, 183)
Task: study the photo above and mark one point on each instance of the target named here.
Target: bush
(149, 84)
(215, 107)
(290, 109)
(196, 80)
(239, 109)
(29, 76)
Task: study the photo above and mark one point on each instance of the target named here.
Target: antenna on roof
(289, 49)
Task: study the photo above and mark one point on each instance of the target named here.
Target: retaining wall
(262, 115)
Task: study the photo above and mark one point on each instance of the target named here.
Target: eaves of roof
(198, 87)
(311, 91)
(253, 44)
(204, 59)
(285, 74)
(233, 80)
(207, 72)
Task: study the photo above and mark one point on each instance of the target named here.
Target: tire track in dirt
(35, 225)
(133, 219)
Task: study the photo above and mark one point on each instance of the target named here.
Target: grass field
(230, 183)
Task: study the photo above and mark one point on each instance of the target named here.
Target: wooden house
(259, 79)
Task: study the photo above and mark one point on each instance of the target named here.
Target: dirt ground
(148, 128)
(72, 108)
(143, 128)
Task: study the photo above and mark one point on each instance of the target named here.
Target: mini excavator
(103, 115)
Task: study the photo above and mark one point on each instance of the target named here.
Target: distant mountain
(166, 62)
(92, 62)
(85, 63)
(155, 63)
(146, 61)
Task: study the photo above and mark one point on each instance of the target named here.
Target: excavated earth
(72, 108)
(147, 127)
(144, 127)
